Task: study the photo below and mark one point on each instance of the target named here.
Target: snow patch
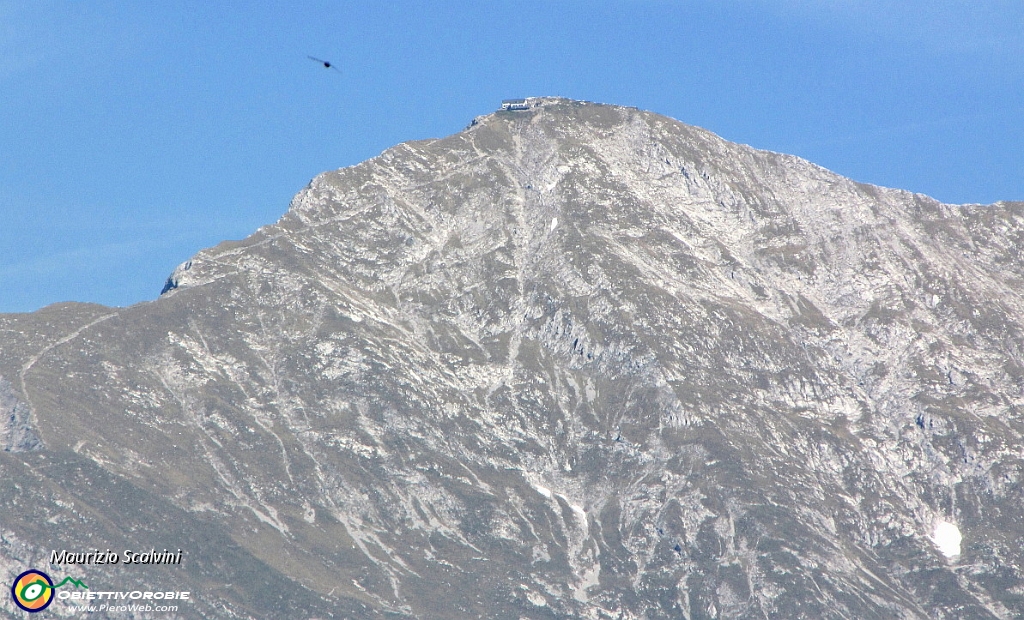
(546, 492)
(947, 538)
(554, 223)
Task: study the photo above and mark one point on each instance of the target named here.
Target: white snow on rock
(947, 538)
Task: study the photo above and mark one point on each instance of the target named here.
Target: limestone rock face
(578, 361)
(16, 434)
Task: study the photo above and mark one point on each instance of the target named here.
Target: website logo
(33, 590)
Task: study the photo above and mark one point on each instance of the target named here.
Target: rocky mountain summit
(576, 361)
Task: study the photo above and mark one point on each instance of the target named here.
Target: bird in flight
(326, 64)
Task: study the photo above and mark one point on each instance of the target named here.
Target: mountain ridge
(574, 361)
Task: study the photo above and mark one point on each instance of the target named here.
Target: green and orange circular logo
(32, 590)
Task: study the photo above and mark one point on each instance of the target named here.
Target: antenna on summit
(325, 63)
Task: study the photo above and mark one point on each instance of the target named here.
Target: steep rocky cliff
(574, 361)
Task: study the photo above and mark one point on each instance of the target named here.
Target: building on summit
(515, 104)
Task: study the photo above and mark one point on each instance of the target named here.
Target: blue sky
(133, 134)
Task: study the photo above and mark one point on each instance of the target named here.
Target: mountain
(575, 361)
